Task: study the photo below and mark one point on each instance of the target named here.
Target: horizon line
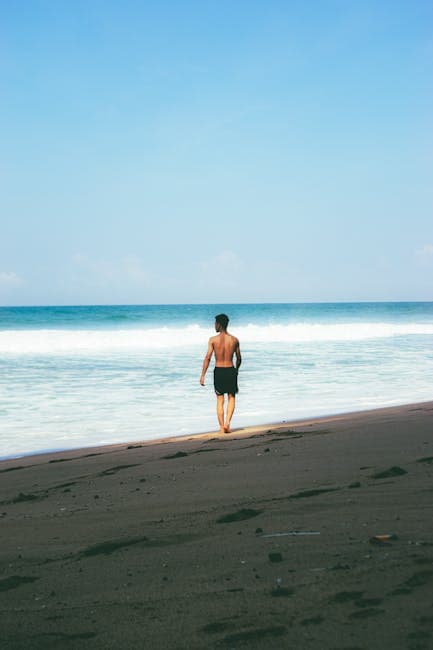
(204, 304)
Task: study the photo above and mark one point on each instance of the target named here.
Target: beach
(270, 537)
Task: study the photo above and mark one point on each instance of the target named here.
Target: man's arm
(238, 356)
(206, 361)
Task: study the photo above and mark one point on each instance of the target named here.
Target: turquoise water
(84, 376)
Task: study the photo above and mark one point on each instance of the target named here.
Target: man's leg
(220, 411)
(230, 409)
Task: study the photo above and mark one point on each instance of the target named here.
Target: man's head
(221, 322)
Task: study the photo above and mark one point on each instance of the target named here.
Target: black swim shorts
(225, 380)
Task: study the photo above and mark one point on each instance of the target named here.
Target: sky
(208, 152)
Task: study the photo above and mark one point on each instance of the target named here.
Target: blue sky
(157, 152)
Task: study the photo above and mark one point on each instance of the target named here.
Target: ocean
(86, 376)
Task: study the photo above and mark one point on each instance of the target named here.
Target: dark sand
(190, 543)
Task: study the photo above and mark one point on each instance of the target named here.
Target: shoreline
(258, 429)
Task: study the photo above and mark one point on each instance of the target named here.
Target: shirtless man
(224, 346)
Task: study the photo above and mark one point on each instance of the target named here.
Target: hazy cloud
(220, 274)
(425, 254)
(225, 263)
(120, 280)
(123, 273)
(9, 279)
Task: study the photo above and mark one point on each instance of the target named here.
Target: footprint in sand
(179, 454)
(240, 515)
(16, 581)
(252, 636)
(426, 459)
(389, 473)
(106, 548)
(312, 493)
(115, 469)
(366, 613)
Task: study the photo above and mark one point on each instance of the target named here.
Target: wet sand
(263, 538)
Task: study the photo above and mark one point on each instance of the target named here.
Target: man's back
(225, 345)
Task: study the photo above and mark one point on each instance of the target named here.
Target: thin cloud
(226, 262)
(425, 254)
(220, 274)
(9, 279)
(126, 272)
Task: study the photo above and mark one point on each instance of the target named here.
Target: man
(224, 346)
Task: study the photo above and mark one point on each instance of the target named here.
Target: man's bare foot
(227, 429)
(223, 430)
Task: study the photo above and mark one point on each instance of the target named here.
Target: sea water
(83, 376)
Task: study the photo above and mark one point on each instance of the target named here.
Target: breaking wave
(88, 341)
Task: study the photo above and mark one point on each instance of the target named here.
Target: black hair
(223, 320)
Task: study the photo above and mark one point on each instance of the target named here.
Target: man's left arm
(238, 356)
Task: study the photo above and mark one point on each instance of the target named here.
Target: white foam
(315, 332)
(63, 341)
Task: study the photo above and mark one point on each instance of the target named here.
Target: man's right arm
(206, 361)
